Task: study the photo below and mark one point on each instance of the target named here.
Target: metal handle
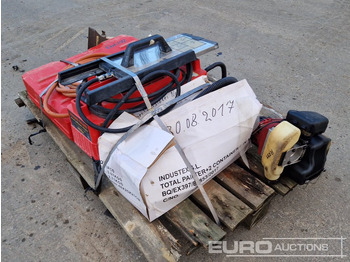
(128, 58)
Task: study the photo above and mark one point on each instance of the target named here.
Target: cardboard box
(213, 131)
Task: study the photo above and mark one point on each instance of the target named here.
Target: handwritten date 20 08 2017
(205, 116)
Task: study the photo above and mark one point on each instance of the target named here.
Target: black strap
(37, 133)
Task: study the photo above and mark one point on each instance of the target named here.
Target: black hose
(151, 76)
(154, 97)
(189, 73)
(158, 73)
(218, 64)
(154, 94)
(117, 106)
(217, 85)
(85, 119)
(112, 113)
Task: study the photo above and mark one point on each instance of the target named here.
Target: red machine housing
(37, 80)
(260, 134)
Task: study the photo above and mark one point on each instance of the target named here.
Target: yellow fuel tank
(282, 138)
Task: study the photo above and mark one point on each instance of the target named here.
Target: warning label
(80, 125)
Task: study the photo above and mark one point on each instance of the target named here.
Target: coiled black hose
(114, 111)
(154, 97)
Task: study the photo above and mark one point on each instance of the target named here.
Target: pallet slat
(230, 210)
(247, 187)
(255, 165)
(189, 218)
(288, 182)
(255, 217)
(145, 235)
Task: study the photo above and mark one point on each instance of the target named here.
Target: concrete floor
(294, 54)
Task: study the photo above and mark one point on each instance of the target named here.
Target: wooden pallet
(239, 197)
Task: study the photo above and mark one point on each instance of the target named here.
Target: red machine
(293, 146)
(107, 75)
(37, 80)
